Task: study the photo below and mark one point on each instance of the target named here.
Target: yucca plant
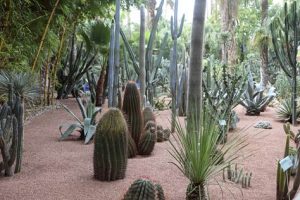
(284, 111)
(87, 127)
(195, 153)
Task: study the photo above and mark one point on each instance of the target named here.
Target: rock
(263, 125)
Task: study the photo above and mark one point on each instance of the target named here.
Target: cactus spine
(132, 110)
(143, 189)
(111, 145)
(173, 68)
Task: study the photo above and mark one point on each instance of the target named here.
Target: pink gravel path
(54, 170)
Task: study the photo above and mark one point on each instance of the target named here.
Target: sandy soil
(64, 170)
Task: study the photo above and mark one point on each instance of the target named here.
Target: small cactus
(143, 189)
(132, 110)
(237, 176)
(160, 136)
(167, 133)
(148, 115)
(111, 146)
(147, 142)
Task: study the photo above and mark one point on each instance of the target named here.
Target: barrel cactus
(111, 146)
(147, 142)
(132, 149)
(132, 110)
(160, 135)
(143, 189)
(148, 115)
(167, 133)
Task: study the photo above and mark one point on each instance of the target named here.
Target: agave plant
(87, 127)
(194, 150)
(284, 111)
(253, 98)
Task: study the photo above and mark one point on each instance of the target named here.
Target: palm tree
(195, 69)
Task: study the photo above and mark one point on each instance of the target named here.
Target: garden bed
(64, 170)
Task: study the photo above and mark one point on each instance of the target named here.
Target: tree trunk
(196, 192)
(142, 55)
(229, 10)
(196, 68)
(264, 77)
(151, 5)
(100, 87)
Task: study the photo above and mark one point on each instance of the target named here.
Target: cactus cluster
(143, 189)
(111, 146)
(8, 139)
(163, 134)
(238, 176)
(141, 125)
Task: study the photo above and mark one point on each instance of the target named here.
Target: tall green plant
(194, 149)
(285, 32)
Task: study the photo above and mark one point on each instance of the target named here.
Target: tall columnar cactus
(285, 38)
(111, 145)
(142, 72)
(132, 111)
(143, 189)
(283, 178)
(175, 33)
(8, 139)
(111, 64)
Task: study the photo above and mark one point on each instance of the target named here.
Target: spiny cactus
(167, 133)
(143, 189)
(8, 139)
(132, 110)
(132, 149)
(148, 115)
(111, 146)
(160, 136)
(147, 142)
(238, 176)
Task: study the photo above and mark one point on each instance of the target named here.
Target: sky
(184, 7)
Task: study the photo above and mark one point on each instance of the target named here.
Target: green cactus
(111, 146)
(160, 136)
(147, 142)
(132, 149)
(132, 110)
(143, 189)
(148, 115)
(167, 133)
(8, 139)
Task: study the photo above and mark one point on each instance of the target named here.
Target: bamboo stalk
(44, 34)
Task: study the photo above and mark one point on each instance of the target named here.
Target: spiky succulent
(284, 111)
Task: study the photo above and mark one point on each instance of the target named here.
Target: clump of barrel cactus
(111, 146)
(238, 176)
(147, 141)
(148, 115)
(143, 189)
(163, 134)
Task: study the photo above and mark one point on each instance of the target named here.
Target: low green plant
(194, 150)
(87, 127)
(284, 111)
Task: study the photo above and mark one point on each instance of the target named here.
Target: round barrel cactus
(143, 189)
(147, 142)
(148, 115)
(111, 146)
